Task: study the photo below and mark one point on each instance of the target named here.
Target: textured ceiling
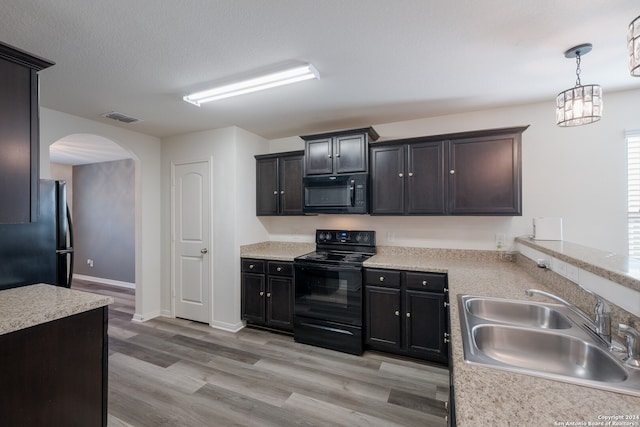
(380, 61)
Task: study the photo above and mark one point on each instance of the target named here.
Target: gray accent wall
(104, 220)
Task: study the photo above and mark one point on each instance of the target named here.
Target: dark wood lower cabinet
(55, 373)
(405, 313)
(267, 293)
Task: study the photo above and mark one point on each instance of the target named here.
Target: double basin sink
(540, 339)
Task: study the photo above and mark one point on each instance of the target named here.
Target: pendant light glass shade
(582, 104)
(633, 42)
(579, 106)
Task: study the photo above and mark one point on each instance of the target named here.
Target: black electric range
(329, 290)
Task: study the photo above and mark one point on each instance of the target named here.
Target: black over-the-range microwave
(336, 194)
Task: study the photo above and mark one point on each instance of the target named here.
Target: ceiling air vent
(121, 117)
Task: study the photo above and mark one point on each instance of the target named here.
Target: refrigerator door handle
(70, 250)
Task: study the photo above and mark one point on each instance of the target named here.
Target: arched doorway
(101, 189)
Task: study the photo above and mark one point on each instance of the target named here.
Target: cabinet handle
(279, 269)
(338, 155)
(251, 266)
(275, 192)
(452, 171)
(397, 313)
(446, 289)
(281, 191)
(408, 314)
(261, 293)
(446, 405)
(382, 278)
(410, 173)
(268, 294)
(447, 340)
(400, 175)
(424, 283)
(329, 155)
(446, 304)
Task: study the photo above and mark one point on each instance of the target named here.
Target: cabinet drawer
(280, 268)
(253, 265)
(426, 281)
(382, 277)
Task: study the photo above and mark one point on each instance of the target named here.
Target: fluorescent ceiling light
(279, 78)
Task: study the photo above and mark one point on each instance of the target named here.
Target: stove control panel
(353, 237)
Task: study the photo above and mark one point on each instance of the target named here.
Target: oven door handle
(325, 267)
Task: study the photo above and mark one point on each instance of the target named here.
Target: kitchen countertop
(487, 396)
(617, 268)
(27, 306)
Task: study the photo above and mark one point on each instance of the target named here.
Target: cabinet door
(290, 180)
(383, 317)
(350, 153)
(425, 179)
(425, 323)
(484, 176)
(17, 174)
(253, 297)
(267, 186)
(319, 156)
(280, 302)
(387, 180)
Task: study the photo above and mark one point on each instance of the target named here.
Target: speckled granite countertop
(279, 251)
(486, 396)
(27, 306)
(617, 268)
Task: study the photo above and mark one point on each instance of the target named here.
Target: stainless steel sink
(550, 353)
(540, 339)
(518, 313)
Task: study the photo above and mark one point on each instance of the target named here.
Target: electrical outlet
(500, 241)
(90, 262)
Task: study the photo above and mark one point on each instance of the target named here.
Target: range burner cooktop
(336, 257)
(342, 247)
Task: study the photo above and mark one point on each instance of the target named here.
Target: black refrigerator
(41, 251)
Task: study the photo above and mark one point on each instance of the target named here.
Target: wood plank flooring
(174, 372)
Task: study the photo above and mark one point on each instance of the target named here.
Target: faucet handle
(633, 345)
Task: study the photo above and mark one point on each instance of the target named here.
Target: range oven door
(328, 292)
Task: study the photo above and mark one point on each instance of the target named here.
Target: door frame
(172, 224)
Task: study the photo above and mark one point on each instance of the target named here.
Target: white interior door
(191, 259)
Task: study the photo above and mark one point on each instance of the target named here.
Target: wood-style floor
(174, 372)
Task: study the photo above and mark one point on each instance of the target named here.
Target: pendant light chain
(578, 70)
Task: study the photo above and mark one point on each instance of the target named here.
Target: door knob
(203, 251)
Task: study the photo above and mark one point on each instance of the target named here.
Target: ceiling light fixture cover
(278, 78)
(579, 105)
(633, 41)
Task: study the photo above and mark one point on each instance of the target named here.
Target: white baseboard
(229, 327)
(137, 317)
(105, 281)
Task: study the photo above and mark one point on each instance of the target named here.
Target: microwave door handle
(352, 189)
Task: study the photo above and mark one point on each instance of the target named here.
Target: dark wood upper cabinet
(408, 179)
(485, 175)
(338, 152)
(471, 173)
(19, 134)
(279, 183)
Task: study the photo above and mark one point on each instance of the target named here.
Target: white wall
(234, 222)
(576, 173)
(145, 151)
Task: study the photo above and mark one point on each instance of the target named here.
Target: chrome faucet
(602, 312)
(633, 345)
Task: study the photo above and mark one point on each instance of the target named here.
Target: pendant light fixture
(582, 104)
(633, 41)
